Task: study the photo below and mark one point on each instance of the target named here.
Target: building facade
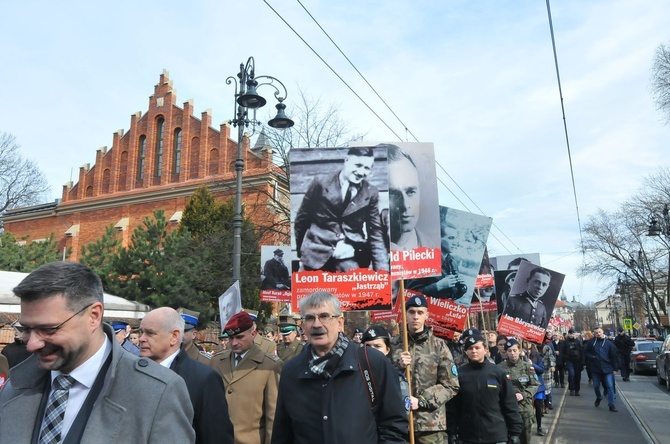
(166, 154)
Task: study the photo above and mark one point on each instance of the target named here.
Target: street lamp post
(656, 228)
(641, 264)
(246, 98)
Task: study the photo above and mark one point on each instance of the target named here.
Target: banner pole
(405, 344)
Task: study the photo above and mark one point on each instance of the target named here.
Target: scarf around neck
(326, 364)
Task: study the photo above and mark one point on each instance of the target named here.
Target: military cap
(511, 342)
(287, 329)
(375, 332)
(190, 318)
(278, 252)
(117, 326)
(252, 313)
(238, 323)
(572, 330)
(418, 300)
(471, 340)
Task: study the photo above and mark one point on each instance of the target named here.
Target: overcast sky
(476, 78)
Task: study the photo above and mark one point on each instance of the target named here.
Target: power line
(390, 109)
(567, 139)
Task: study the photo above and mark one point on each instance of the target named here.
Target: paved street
(643, 416)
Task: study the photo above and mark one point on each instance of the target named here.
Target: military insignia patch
(417, 301)
(536, 378)
(408, 403)
(454, 370)
(372, 333)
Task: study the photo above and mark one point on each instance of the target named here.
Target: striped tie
(55, 411)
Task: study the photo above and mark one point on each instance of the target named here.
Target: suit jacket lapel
(249, 363)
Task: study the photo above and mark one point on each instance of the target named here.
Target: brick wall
(111, 189)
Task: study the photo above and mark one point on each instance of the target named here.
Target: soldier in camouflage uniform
(525, 382)
(434, 377)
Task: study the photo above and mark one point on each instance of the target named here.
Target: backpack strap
(368, 378)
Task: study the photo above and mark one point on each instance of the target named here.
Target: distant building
(166, 154)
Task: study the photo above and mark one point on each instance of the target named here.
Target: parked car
(663, 363)
(643, 356)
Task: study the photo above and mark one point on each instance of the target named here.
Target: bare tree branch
(21, 181)
(660, 79)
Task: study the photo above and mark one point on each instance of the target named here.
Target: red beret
(239, 323)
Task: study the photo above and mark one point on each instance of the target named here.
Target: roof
(115, 306)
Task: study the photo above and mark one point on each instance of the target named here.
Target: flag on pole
(230, 303)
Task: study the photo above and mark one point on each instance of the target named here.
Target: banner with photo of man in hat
(275, 274)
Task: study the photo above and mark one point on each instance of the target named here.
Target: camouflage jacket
(525, 381)
(434, 378)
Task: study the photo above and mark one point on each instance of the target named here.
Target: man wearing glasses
(80, 385)
(335, 391)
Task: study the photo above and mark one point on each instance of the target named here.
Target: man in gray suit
(80, 385)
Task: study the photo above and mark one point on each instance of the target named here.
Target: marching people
(190, 334)
(434, 375)
(604, 362)
(251, 378)
(541, 393)
(78, 368)
(573, 359)
(161, 341)
(378, 337)
(484, 410)
(290, 345)
(324, 394)
(525, 382)
(624, 345)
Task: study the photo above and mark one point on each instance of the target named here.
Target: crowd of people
(75, 378)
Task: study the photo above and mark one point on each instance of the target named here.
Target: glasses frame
(45, 332)
(324, 318)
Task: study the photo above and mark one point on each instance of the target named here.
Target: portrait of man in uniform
(528, 306)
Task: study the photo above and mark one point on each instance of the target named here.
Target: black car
(643, 356)
(663, 363)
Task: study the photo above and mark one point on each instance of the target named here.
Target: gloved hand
(514, 439)
(451, 439)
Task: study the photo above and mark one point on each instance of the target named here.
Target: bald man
(162, 332)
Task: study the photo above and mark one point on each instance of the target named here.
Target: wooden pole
(405, 344)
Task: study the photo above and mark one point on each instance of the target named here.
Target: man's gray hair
(318, 299)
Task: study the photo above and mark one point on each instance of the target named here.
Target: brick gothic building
(163, 158)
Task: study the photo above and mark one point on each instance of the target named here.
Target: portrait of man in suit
(405, 200)
(338, 226)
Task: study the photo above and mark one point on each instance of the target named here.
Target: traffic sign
(628, 324)
(637, 326)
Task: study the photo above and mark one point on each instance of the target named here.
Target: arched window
(177, 151)
(142, 152)
(123, 170)
(195, 158)
(160, 123)
(106, 180)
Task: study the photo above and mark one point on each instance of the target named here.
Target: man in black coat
(275, 273)
(624, 345)
(572, 355)
(335, 391)
(211, 421)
